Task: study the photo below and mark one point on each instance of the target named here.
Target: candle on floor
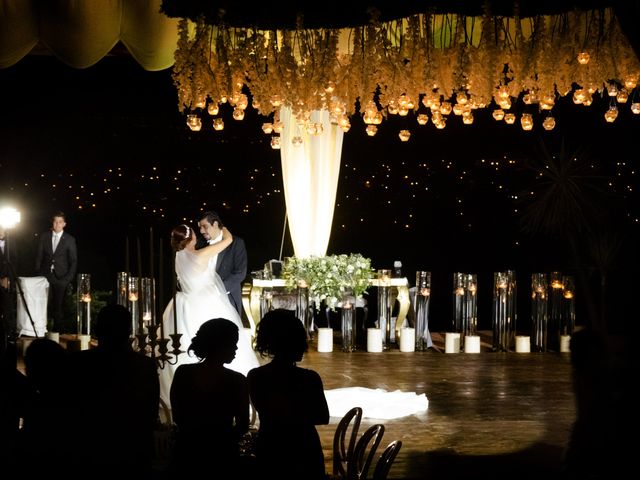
(325, 340)
(472, 344)
(55, 336)
(565, 343)
(451, 342)
(523, 344)
(374, 340)
(84, 341)
(407, 339)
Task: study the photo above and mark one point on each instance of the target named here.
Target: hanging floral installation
(430, 66)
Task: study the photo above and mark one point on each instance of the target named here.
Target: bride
(202, 296)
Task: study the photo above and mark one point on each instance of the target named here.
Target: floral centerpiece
(329, 278)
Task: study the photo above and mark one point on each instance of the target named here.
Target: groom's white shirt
(214, 260)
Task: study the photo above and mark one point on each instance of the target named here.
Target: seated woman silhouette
(289, 400)
(210, 404)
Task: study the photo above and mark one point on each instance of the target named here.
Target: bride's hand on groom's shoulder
(226, 234)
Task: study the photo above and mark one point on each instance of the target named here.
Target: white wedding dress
(202, 297)
(376, 403)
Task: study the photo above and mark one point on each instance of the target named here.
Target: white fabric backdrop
(310, 174)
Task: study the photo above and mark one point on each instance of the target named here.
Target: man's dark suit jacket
(64, 260)
(232, 268)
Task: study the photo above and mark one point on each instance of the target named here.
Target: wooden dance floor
(491, 415)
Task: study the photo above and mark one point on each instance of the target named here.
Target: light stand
(9, 218)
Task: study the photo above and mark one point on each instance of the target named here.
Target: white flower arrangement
(402, 61)
(329, 278)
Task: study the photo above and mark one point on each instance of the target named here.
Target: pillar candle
(55, 336)
(565, 342)
(523, 344)
(451, 342)
(325, 340)
(407, 339)
(374, 340)
(84, 341)
(472, 344)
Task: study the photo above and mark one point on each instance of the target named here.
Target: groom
(231, 263)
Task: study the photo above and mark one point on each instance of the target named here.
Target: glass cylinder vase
(384, 306)
(470, 307)
(504, 308)
(568, 318)
(554, 319)
(348, 321)
(421, 302)
(147, 303)
(302, 308)
(133, 297)
(83, 304)
(539, 304)
(122, 282)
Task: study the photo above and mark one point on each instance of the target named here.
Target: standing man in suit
(57, 259)
(231, 263)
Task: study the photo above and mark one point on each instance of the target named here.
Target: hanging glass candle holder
(504, 310)
(539, 304)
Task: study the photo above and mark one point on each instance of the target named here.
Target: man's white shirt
(213, 261)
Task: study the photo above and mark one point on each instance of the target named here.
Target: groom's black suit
(232, 268)
(59, 267)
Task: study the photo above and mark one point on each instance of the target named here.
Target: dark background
(108, 146)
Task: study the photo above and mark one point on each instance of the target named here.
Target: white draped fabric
(310, 174)
(81, 32)
(36, 291)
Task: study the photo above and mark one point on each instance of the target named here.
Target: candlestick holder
(175, 344)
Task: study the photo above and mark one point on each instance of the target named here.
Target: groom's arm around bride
(231, 263)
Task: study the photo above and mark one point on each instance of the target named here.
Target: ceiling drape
(81, 32)
(310, 173)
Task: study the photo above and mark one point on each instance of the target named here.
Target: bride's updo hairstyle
(217, 336)
(180, 237)
(281, 334)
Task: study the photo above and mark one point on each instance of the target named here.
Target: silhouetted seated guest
(117, 401)
(210, 405)
(289, 400)
(14, 390)
(48, 408)
(586, 453)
